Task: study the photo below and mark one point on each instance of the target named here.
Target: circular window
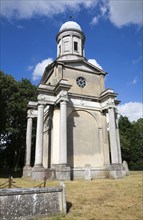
(81, 82)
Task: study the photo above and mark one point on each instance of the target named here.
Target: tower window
(75, 46)
(81, 82)
(60, 50)
(66, 46)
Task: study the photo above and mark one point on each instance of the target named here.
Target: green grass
(99, 199)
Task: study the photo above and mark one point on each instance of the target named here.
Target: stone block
(32, 203)
(62, 172)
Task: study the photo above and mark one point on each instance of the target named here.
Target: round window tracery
(81, 82)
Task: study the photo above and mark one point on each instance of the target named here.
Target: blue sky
(113, 30)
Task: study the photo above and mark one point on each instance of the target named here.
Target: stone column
(62, 171)
(116, 168)
(27, 168)
(118, 141)
(38, 171)
(28, 141)
(39, 136)
(113, 136)
(63, 132)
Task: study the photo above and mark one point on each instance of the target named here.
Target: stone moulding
(22, 203)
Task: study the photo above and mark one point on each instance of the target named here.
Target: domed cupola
(70, 41)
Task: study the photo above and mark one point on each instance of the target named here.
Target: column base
(50, 174)
(27, 171)
(38, 172)
(115, 171)
(62, 171)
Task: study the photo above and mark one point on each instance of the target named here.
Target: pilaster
(100, 133)
(55, 137)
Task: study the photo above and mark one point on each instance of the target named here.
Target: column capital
(112, 107)
(108, 106)
(29, 116)
(31, 113)
(63, 102)
(62, 96)
(41, 104)
(45, 99)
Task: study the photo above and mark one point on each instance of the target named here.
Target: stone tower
(77, 128)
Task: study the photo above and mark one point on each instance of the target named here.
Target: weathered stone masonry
(31, 203)
(75, 114)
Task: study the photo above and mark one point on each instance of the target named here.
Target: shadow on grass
(69, 205)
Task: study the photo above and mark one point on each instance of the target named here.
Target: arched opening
(83, 140)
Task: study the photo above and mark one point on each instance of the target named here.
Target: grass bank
(99, 199)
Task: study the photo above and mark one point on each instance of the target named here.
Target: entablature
(84, 104)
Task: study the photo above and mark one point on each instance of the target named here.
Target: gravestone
(125, 168)
(87, 172)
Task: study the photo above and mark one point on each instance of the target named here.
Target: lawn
(99, 199)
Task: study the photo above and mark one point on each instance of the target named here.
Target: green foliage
(14, 97)
(131, 137)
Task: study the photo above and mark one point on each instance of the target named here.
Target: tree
(14, 97)
(131, 142)
(136, 161)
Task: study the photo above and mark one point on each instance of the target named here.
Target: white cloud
(137, 60)
(103, 9)
(125, 12)
(120, 12)
(134, 81)
(94, 62)
(28, 9)
(20, 26)
(94, 20)
(40, 67)
(132, 110)
(30, 68)
(89, 3)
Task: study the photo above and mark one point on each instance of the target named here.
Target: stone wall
(31, 203)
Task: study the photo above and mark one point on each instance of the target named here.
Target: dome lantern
(70, 41)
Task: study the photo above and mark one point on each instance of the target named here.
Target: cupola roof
(70, 25)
